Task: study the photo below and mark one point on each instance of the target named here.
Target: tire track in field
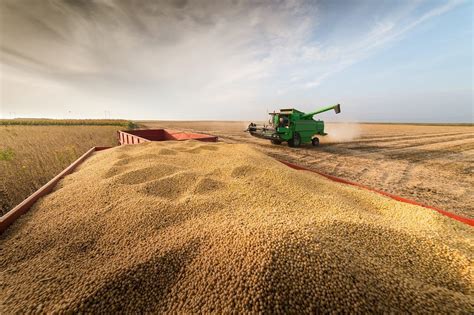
(406, 134)
(414, 149)
(458, 143)
(404, 137)
(419, 143)
(410, 143)
(431, 151)
(406, 174)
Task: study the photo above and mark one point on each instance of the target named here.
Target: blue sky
(429, 70)
(390, 61)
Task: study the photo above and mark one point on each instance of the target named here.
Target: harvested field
(432, 164)
(31, 155)
(190, 227)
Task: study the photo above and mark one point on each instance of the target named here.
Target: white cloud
(164, 55)
(384, 32)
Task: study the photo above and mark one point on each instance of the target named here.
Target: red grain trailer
(148, 135)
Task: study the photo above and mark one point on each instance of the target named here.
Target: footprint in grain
(119, 167)
(165, 151)
(144, 175)
(126, 160)
(114, 171)
(244, 171)
(170, 187)
(201, 148)
(207, 185)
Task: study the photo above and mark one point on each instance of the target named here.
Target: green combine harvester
(292, 126)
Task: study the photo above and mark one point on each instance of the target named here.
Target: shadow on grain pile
(194, 227)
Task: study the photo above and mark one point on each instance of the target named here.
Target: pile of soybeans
(188, 227)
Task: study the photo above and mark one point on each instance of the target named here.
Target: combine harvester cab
(292, 126)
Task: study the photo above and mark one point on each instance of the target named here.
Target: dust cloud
(342, 132)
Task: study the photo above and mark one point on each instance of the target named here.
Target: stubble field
(432, 164)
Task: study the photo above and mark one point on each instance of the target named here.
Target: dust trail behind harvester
(342, 132)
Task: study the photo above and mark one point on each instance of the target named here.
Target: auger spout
(337, 109)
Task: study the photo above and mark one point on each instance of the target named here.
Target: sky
(382, 60)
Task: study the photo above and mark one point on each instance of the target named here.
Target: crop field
(30, 155)
(431, 164)
(67, 122)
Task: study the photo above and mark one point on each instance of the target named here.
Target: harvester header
(292, 126)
